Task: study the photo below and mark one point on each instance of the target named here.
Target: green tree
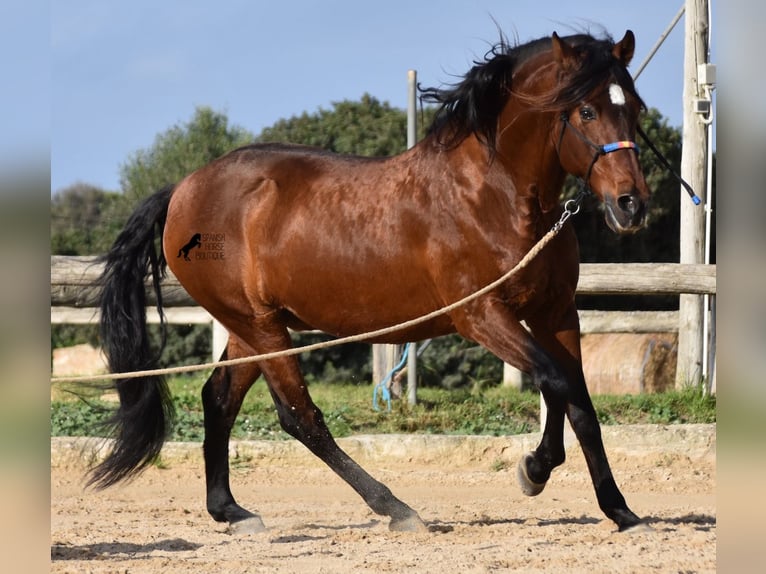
(367, 127)
(180, 150)
(84, 220)
(82, 223)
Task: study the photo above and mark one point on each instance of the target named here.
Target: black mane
(473, 105)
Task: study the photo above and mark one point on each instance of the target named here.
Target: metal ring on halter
(569, 210)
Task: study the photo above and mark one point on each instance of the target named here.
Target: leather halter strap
(599, 149)
(618, 145)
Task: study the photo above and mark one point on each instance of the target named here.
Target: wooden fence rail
(590, 321)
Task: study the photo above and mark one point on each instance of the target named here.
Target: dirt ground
(463, 487)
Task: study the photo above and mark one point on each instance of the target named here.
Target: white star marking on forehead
(616, 95)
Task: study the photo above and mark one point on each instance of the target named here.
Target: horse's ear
(624, 49)
(563, 53)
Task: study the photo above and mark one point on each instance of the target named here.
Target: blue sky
(123, 72)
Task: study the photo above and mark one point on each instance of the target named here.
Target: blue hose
(382, 386)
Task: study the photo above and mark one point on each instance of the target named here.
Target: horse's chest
(544, 283)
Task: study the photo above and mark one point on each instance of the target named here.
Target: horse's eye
(587, 114)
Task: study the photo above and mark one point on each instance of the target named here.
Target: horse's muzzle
(626, 213)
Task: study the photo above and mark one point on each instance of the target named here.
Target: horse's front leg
(493, 325)
(560, 336)
(556, 370)
(222, 398)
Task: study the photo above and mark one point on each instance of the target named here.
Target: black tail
(144, 417)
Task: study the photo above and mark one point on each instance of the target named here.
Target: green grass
(348, 410)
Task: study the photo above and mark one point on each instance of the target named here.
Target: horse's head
(580, 81)
(598, 119)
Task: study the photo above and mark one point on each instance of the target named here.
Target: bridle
(599, 150)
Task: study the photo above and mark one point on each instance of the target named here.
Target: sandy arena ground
(463, 487)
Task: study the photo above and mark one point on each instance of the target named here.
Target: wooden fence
(74, 296)
(73, 279)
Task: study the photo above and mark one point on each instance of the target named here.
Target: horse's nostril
(628, 204)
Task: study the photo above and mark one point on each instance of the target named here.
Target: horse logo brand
(195, 241)
(209, 246)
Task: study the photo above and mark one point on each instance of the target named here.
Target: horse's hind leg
(222, 398)
(302, 419)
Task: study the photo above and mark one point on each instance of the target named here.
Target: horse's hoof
(528, 487)
(411, 523)
(251, 525)
(640, 528)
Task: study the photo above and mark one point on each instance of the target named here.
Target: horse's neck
(526, 153)
(522, 191)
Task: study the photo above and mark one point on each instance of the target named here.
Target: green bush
(338, 364)
(452, 362)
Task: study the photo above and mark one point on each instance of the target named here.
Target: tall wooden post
(385, 357)
(693, 170)
(220, 339)
(412, 139)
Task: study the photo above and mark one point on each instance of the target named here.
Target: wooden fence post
(693, 170)
(220, 339)
(385, 357)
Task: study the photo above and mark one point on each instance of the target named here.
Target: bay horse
(293, 237)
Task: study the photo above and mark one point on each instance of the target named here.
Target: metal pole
(412, 138)
(659, 42)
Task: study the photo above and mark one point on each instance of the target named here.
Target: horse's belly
(345, 311)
